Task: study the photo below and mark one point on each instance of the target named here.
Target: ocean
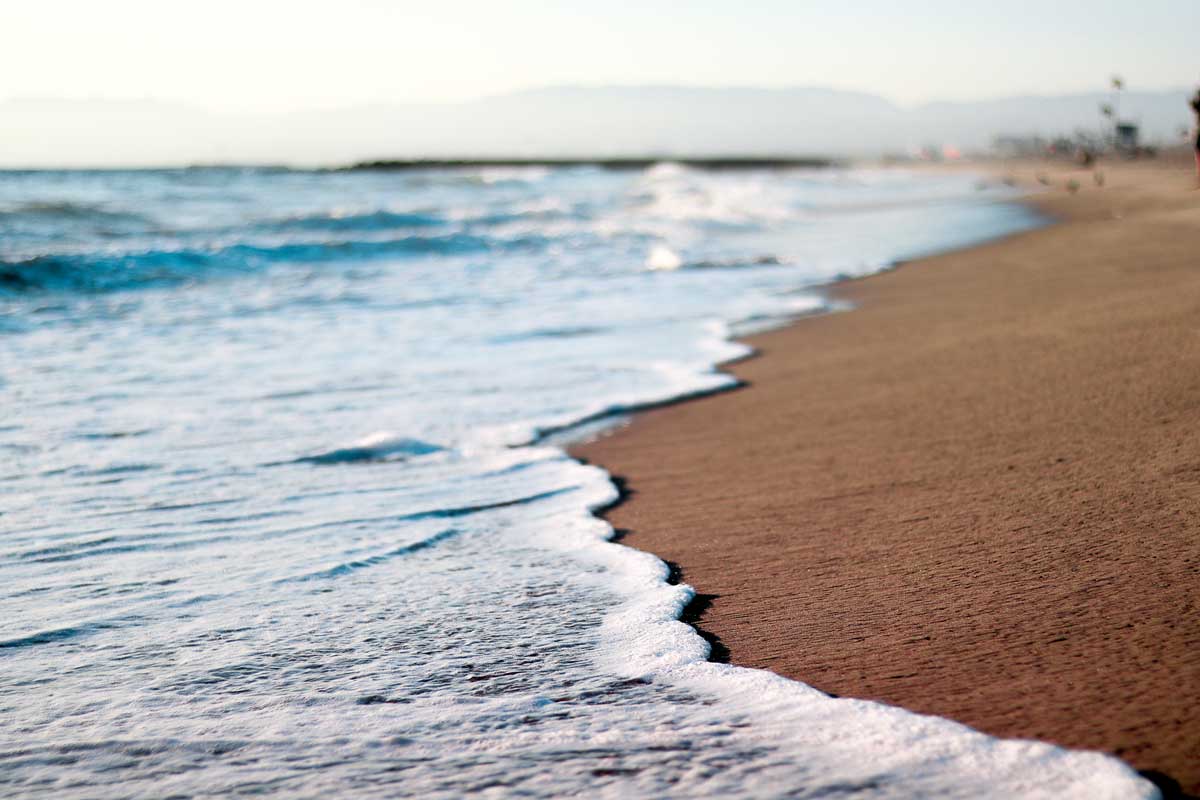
(285, 509)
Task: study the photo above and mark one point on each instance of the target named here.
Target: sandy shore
(976, 495)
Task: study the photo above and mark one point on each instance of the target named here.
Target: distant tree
(1112, 111)
(1118, 85)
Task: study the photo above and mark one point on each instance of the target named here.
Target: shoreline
(882, 526)
(615, 163)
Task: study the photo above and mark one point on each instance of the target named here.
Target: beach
(975, 494)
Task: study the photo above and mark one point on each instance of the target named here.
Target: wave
(370, 561)
(422, 544)
(57, 634)
(383, 220)
(62, 210)
(567, 332)
(366, 221)
(663, 259)
(100, 272)
(376, 447)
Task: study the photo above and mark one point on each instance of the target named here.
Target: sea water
(279, 512)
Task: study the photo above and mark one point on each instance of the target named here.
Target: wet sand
(976, 495)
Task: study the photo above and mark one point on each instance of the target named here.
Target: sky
(272, 55)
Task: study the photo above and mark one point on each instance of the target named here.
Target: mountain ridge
(556, 122)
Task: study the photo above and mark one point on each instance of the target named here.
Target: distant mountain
(553, 122)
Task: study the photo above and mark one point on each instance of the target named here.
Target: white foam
(662, 257)
(864, 743)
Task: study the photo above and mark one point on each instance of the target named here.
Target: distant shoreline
(406, 164)
(710, 163)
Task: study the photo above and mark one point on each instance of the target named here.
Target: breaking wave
(100, 272)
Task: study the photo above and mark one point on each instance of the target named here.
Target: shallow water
(278, 514)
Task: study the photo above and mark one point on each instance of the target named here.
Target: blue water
(279, 514)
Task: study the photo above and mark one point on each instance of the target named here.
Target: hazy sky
(298, 54)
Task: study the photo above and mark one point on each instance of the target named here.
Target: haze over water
(279, 516)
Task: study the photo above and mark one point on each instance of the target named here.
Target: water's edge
(691, 613)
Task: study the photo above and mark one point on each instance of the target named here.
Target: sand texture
(977, 494)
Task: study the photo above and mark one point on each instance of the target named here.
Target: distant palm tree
(1112, 111)
(1118, 85)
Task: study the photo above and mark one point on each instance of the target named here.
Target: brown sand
(977, 495)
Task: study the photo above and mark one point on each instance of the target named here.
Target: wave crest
(100, 272)
(382, 446)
